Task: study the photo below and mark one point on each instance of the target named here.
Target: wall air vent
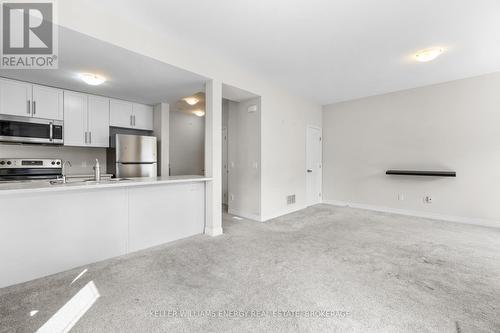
(290, 199)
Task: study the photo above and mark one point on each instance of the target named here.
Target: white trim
(247, 216)
(282, 213)
(428, 215)
(213, 232)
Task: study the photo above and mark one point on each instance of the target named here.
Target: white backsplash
(81, 158)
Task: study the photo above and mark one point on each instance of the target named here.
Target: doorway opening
(241, 152)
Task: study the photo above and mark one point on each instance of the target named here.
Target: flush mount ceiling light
(191, 100)
(429, 54)
(92, 79)
(199, 113)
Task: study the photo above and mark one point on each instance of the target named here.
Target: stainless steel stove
(12, 169)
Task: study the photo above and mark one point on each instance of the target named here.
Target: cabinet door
(75, 119)
(15, 98)
(98, 121)
(47, 103)
(120, 113)
(143, 117)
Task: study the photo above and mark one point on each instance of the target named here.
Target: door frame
(320, 129)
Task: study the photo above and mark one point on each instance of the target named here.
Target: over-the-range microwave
(30, 130)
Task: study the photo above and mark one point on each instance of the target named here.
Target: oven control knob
(9, 162)
(58, 163)
(53, 163)
(2, 162)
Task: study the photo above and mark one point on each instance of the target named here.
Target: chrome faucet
(97, 171)
(63, 178)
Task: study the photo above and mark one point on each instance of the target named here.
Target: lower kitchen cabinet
(65, 229)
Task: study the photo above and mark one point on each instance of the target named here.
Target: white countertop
(45, 186)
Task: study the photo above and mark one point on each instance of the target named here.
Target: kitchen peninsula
(51, 228)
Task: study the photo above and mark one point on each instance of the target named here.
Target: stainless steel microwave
(30, 130)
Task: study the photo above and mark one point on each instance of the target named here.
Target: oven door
(30, 130)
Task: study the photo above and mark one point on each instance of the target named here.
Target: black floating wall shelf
(421, 173)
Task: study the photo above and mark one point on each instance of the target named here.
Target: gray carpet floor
(335, 269)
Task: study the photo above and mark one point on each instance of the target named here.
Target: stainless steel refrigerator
(132, 156)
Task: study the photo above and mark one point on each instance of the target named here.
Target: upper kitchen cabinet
(47, 103)
(143, 117)
(19, 98)
(120, 113)
(86, 120)
(130, 115)
(15, 98)
(98, 121)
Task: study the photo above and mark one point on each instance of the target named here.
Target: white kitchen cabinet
(142, 117)
(86, 120)
(15, 98)
(47, 103)
(120, 113)
(75, 119)
(130, 115)
(98, 121)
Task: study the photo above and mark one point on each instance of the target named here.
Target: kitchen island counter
(46, 229)
(10, 188)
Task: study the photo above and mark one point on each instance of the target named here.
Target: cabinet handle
(134, 119)
(51, 131)
(28, 106)
(131, 124)
(90, 137)
(85, 137)
(34, 107)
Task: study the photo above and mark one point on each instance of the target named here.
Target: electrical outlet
(428, 199)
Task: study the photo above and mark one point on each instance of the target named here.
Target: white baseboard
(283, 212)
(434, 216)
(213, 231)
(247, 216)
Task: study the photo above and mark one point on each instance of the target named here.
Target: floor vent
(290, 199)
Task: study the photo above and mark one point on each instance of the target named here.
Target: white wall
(187, 144)
(82, 158)
(162, 133)
(244, 159)
(451, 126)
(284, 115)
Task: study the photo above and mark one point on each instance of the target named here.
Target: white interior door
(224, 166)
(314, 166)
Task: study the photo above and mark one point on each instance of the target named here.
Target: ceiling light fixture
(191, 100)
(199, 113)
(429, 54)
(92, 79)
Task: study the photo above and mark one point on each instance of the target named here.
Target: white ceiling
(130, 76)
(334, 50)
(236, 94)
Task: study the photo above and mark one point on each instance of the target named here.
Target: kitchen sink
(90, 181)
